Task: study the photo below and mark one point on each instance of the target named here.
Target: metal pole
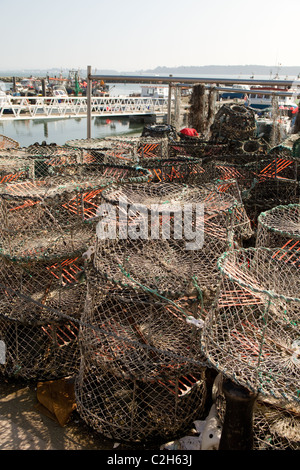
(237, 432)
(169, 104)
(88, 101)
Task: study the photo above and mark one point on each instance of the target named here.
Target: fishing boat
(260, 101)
(237, 91)
(154, 91)
(5, 99)
(59, 91)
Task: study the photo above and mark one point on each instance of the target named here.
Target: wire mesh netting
(45, 230)
(35, 293)
(8, 143)
(135, 381)
(280, 227)
(167, 249)
(121, 264)
(14, 169)
(251, 334)
(234, 122)
(147, 296)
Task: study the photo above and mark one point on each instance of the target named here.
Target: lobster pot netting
(41, 304)
(233, 122)
(141, 335)
(276, 423)
(257, 169)
(8, 143)
(36, 214)
(181, 169)
(196, 148)
(41, 217)
(280, 227)
(251, 334)
(14, 169)
(130, 151)
(141, 375)
(148, 235)
(137, 410)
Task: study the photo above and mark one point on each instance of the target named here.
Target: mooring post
(88, 102)
(237, 432)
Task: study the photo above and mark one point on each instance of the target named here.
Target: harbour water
(59, 131)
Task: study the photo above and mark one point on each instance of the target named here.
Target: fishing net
(251, 333)
(14, 169)
(162, 250)
(40, 343)
(34, 214)
(280, 227)
(233, 122)
(138, 410)
(147, 297)
(276, 423)
(125, 150)
(8, 143)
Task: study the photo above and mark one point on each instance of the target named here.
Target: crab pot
(196, 148)
(43, 349)
(8, 143)
(237, 431)
(139, 410)
(140, 335)
(41, 305)
(265, 195)
(38, 212)
(280, 227)
(125, 150)
(251, 333)
(233, 122)
(14, 169)
(177, 170)
(165, 261)
(132, 410)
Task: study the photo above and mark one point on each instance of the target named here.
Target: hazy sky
(133, 35)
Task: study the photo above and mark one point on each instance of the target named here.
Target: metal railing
(32, 107)
(174, 81)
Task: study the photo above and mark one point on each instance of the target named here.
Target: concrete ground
(24, 427)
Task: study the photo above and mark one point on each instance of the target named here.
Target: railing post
(88, 101)
(169, 104)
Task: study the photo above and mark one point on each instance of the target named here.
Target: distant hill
(235, 70)
(212, 70)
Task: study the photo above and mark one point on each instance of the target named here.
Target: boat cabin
(155, 91)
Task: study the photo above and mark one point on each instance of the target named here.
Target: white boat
(235, 91)
(260, 101)
(59, 91)
(4, 97)
(155, 91)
